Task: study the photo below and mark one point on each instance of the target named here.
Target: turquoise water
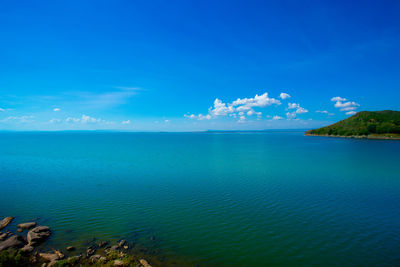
(227, 199)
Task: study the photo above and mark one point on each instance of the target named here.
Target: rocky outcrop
(49, 256)
(13, 241)
(4, 236)
(27, 225)
(144, 263)
(90, 251)
(70, 248)
(38, 234)
(27, 249)
(6, 221)
(118, 263)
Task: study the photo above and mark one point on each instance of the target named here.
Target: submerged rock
(27, 225)
(38, 234)
(6, 221)
(71, 248)
(144, 263)
(14, 241)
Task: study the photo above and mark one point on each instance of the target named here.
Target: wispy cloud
(19, 119)
(325, 112)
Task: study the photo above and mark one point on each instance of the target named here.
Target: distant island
(365, 124)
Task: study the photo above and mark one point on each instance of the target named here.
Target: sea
(273, 198)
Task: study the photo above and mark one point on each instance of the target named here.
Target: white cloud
(198, 117)
(348, 108)
(70, 119)
(351, 113)
(56, 109)
(53, 120)
(88, 119)
(242, 118)
(84, 120)
(325, 112)
(166, 121)
(2, 110)
(126, 122)
(338, 98)
(299, 109)
(237, 107)
(258, 101)
(345, 106)
(276, 117)
(291, 115)
(220, 108)
(19, 119)
(284, 96)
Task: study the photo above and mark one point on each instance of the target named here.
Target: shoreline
(27, 246)
(371, 137)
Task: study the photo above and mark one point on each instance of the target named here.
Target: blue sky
(195, 65)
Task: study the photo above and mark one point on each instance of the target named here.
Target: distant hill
(368, 124)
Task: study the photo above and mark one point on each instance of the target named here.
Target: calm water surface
(238, 199)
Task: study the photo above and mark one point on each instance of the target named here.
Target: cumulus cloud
(257, 101)
(238, 108)
(349, 106)
(126, 122)
(220, 108)
(284, 96)
(276, 117)
(56, 109)
(299, 109)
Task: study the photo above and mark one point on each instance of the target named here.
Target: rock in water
(49, 256)
(70, 248)
(38, 234)
(5, 222)
(4, 236)
(90, 251)
(121, 243)
(59, 254)
(14, 241)
(144, 263)
(27, 225)
(27, 249)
